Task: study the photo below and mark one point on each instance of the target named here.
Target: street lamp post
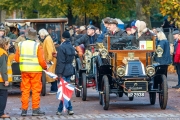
(37, 12)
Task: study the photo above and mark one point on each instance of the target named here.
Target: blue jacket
(65, 56)
(166, 57)
(101, 36)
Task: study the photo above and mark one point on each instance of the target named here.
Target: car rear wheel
(43, 80)
(100, 98)
(77, 92)
(84, 87)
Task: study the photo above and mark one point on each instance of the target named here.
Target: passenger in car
(143, 33)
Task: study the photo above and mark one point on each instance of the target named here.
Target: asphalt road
(119, 109)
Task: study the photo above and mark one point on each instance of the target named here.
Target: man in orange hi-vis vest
(31, 60)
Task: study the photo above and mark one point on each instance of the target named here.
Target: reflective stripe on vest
(28, 60)
(9, 70)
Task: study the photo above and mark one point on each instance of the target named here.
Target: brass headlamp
(103, 53)
(159, 51)
(150, 70)
(121, 71)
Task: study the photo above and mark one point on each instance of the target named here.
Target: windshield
(130, 43)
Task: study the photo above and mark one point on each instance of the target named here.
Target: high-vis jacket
(9, 70)
(28, 60)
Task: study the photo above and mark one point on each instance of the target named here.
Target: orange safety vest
(9, 70)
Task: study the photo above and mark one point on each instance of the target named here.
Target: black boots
(37, 112)
(24, 113)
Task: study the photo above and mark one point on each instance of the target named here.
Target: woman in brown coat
(49, 50)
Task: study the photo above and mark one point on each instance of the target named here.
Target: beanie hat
(66, 34)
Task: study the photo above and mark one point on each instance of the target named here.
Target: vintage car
(85, 76)
(130, 70)
(57, 23)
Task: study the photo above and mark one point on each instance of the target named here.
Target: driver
(89, 38)
(119, 37)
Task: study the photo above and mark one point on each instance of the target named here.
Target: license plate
(138, 94)
(16, 78)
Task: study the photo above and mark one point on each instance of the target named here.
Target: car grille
(135, 86)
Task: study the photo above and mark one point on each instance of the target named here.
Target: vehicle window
(130, 43)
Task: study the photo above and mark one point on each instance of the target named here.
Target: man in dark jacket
(86, 39)
(64, 68)
(89, 38)
(118, 36)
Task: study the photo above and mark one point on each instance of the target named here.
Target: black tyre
(131, 98)
(100, 98)
(163, 95)
(96, 76)
(120, 94)
(105, 96)
(77, 92)
(152, 97)
(43, 80)
(84, 87)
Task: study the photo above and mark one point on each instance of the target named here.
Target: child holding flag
(64, 70)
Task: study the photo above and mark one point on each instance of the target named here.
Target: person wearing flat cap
(119, 37)
(114, 30)
(64, 68)
(176, 55)
(89, 38)
(30, 57)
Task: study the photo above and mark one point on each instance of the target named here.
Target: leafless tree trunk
(2, 16)
(141, 14)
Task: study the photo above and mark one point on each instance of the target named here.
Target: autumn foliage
(171, 8)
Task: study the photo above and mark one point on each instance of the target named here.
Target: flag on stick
(50, 74)
(65, 92)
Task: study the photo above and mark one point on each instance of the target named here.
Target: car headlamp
(104, 53)
(150, 70)
(159, 51)
(120, 71)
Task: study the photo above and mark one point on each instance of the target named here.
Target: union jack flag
(50, 74)
(65, 91)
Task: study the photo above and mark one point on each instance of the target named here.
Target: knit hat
(66, 34)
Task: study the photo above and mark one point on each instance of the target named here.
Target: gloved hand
(54, 54)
